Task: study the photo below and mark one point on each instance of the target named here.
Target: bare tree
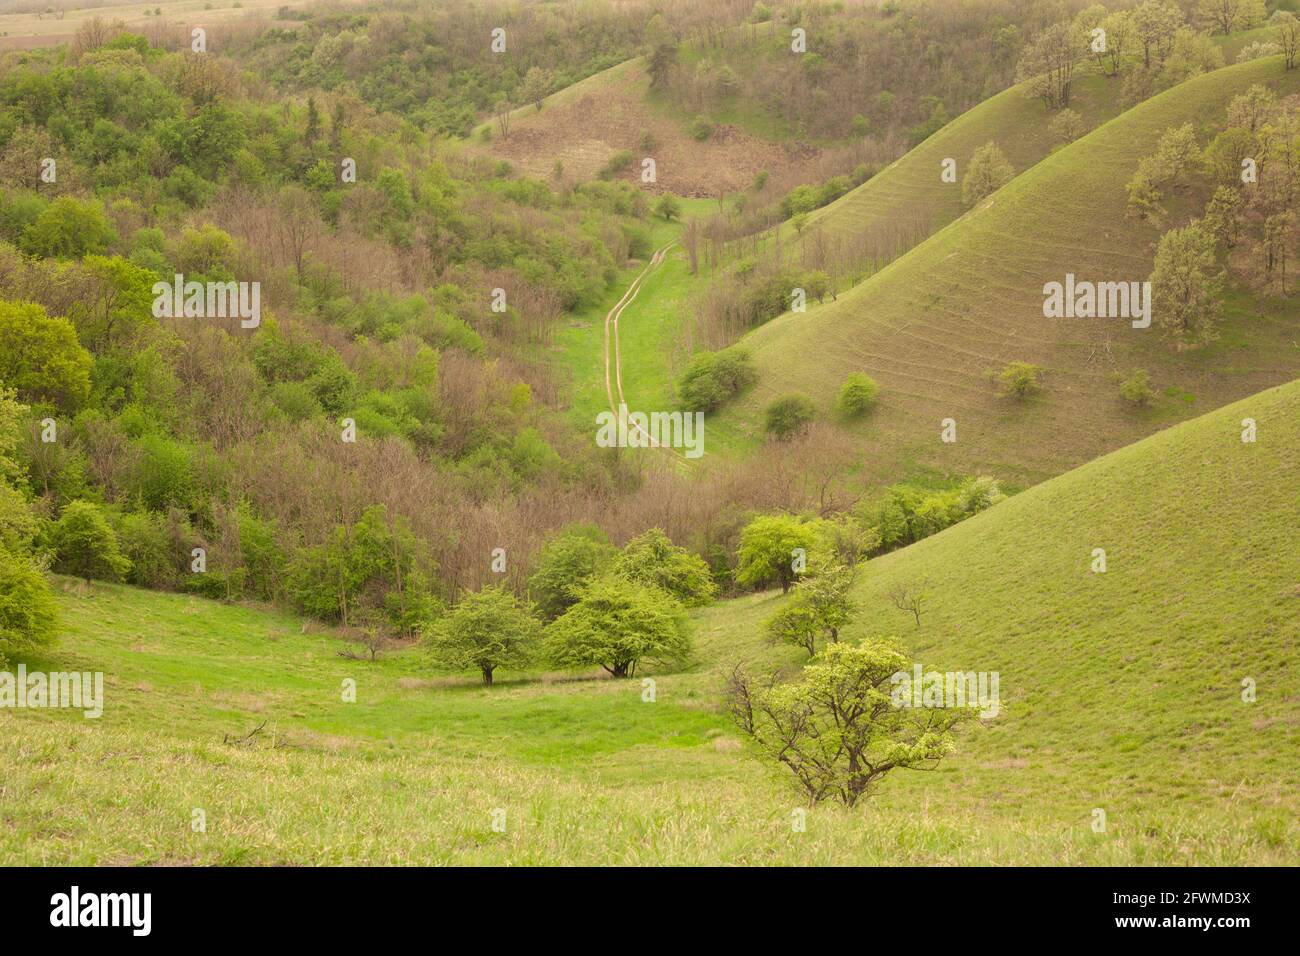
(910, 597)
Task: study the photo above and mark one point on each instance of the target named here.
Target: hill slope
(969, 299)
(907, 201)
(1119, 691)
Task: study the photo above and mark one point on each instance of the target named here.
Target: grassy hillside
(907, 201)
(969, 299)
(1119, 691)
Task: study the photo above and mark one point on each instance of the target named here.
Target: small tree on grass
(617, 624)
(857, 395)
(836, 728)
(767, 550)
(668, 207)
(1020, 380)
(1136, 389)
(788, 416)
(487, 630)
(911, 598)
(819, 607)
(1066, 126)
(85, 544)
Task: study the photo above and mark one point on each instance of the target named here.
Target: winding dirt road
(611, 323)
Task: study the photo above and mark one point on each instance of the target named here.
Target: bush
(1020, 379)
(651, 558)
(787, 416)
(147, 544)
(618, 163)
(668, 207)
(564, 566)
(908, 513)
(713, 378)
(1136, 389)
(701, 128)
(85, 544)
(28, 614)
(857, 395)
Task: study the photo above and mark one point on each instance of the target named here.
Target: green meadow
(1120, 691)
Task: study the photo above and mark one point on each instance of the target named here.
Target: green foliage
(1186, 285)
(857, 395)
(68, 228)
(618, 624)
(771, 546)
(366, 573)
(85, 544)
(486, 631)
(668, 207)
(564, 566)
(148, 542)
(1020, 379)
(651, 558)
(789, 415)
(41, 357)
(712, 378)
(986, 173)
(1136, 389)
(163, 473)
(28, 613)
(909, 513)
(701, 128)
(818, 607)
(620, 162)
(836, 727)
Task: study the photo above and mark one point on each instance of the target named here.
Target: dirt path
(611, 324)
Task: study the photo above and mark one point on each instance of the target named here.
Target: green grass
(932, 324)
(1119, 691)
(649, 331)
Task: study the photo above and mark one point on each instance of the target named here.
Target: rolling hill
(1119, 691)
(931, 325)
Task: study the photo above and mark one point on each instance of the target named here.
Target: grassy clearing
(932, 324)
(649, 331)
(1120, 691)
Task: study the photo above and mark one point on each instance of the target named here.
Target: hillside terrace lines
(986, 271)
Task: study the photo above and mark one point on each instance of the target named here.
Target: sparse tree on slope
(836, 728)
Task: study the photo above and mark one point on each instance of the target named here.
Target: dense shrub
(85, 544)
(712, 378)
(857, 395)
(788, 416)
(28, 613)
